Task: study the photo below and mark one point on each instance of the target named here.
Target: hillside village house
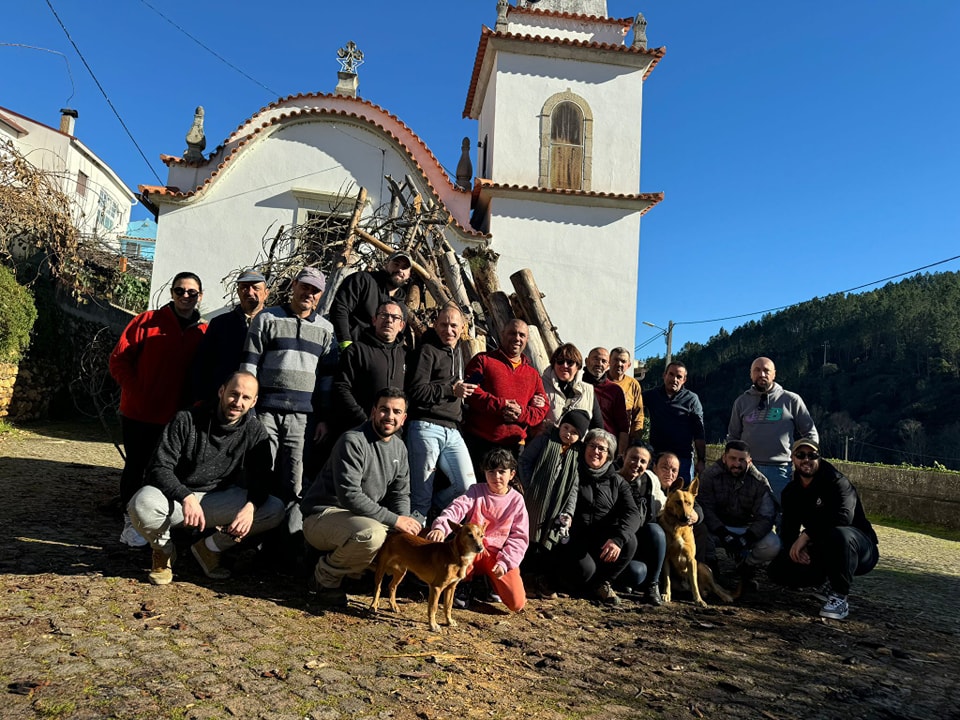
(557, 93)
(100, 201)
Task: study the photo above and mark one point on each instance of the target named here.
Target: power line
(73, 87)
(212, 52)
(854, 289)
(104, 93)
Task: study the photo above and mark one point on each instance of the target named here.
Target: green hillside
(890, 383)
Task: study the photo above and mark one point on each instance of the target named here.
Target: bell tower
(557, 90)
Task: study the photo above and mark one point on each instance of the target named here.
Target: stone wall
(8, 377)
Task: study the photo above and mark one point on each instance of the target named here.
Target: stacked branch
(346, 238)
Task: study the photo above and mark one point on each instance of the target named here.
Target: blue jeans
(431, 446)
(647, 563)
(778, 475)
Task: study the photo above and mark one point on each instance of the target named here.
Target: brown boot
(162, 572)
(209, 561)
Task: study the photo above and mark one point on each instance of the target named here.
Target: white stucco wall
(584, 261)
(614, 93)
(224, 229)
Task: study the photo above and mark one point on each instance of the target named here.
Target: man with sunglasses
(825, 532)
(150, 363)
(376, 360)
(769, 418)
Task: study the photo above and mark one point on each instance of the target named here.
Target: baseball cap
(251, 276)
(401, 254)
(804, 442)
(312, 276)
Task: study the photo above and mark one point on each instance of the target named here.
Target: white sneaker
(836, 608)
(129, 535)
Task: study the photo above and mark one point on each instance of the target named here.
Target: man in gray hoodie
(362, 492)
(769, 419)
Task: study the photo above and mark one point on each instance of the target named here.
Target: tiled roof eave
(639, 201)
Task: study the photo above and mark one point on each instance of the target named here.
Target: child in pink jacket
(501, 510)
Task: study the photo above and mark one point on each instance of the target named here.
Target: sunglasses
(567, 363)
(806, 456)
(180, 292)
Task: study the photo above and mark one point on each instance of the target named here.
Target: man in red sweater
(509, 398)
(150, 364)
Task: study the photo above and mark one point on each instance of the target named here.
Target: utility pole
(669, 342)
(826, 344)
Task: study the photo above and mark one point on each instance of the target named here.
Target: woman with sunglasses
(566, 390)
(150, 363)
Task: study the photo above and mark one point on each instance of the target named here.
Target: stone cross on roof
(350, 57)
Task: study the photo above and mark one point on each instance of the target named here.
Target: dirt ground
(82, 635)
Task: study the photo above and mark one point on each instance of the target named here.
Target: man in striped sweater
(292, 352)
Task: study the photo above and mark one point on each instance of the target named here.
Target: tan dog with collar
(441, 565)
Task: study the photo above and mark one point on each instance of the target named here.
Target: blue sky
(804, 148)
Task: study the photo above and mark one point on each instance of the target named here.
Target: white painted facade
(100, 201)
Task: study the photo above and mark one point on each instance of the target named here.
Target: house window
(108, 212)
(566, 142)
(324, 221)
(82, 183)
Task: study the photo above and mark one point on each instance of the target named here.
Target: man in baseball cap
(360, 294)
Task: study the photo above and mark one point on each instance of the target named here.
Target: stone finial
(196, 140)
(640, 32)
(502, 6)
(465, 166)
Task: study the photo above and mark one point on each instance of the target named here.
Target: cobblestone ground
(82, 635)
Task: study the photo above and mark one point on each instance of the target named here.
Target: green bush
(17, 315)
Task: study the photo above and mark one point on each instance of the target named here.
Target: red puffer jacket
(150, 362)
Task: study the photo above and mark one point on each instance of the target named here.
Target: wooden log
(347, 255)
(450, 268)
(535, 350)
(434, 285)
(532, 301)
(483, 267)
(471, 347)
(500, 313)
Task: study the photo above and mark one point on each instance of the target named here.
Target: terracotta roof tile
(487, 34)
(431, 170)
(483, 183)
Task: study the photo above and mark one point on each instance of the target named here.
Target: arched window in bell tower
(566, 142)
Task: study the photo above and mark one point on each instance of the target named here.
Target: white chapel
(557, 93)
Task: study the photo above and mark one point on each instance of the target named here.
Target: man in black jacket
(211, 470)
(825, 531)
(360, 294)
(436, 391)
(375, 361)
(738, 512)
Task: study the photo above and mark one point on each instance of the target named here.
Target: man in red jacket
(509, 398)
(150, 363)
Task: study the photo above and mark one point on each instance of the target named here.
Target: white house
(100, 201)
(558, 96)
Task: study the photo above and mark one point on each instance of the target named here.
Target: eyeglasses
(390, 318)
(598, 448)
(806, 456)
(568, 363)
(191, 293)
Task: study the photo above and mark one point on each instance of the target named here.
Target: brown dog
(441, 565)
(676, 519)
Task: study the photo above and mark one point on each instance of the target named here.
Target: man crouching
(211, 469)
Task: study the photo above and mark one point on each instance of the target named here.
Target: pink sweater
(505, 516)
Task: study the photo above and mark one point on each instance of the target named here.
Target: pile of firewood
(344, 240)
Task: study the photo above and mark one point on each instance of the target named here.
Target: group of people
(359, 431)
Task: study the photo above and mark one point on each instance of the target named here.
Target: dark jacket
(675, 423)
(642, 491)
(606, 501)
(746, 501)
(357, 300)
(220, 353)
(198, 453)
(829, 501)
(432, 370)
(367, 366)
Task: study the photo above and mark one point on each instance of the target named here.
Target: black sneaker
(823, 592)
(328, 597)
(462, 595)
